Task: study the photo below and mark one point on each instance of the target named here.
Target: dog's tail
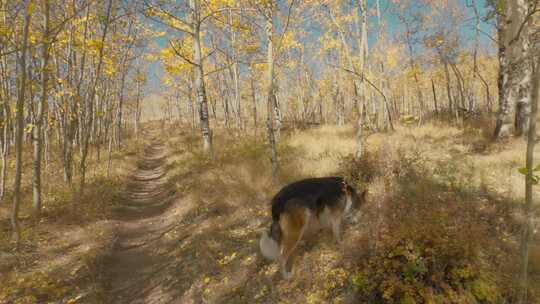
(269, 243)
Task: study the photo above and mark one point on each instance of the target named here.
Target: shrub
(434, 245)
(359, 170)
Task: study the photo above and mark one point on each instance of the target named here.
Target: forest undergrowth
(441, 225)
(59, 255)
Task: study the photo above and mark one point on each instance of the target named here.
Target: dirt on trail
(180, 240)
(130, 270)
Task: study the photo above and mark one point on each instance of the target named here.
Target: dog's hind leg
(293, 226)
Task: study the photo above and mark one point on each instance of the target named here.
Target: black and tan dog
(304, 206)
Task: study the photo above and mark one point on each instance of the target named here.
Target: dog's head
(354, 199)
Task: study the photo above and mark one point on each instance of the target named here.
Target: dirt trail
(129, 269)
(180, 234)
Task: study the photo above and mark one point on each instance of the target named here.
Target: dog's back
(312, 193)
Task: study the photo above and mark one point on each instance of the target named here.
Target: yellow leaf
(31, 7)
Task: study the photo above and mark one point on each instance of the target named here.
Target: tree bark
(5, 143)
(472, 103)
(514, 69)
(199, 77)
(253, 103)
(38, 128)
(271, 98)
(124, 72)
(529, 182)
(235, 74)
(412, 64)
(20, 127)
(138, 106)
(361, 24)
(434, 97)
(86, 120)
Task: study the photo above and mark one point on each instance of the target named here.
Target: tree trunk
(191, 103)
(124, 71)
(504, 120)
(5, 147)
(20, 127)
(86, 120)
(412, 64)
(225, 98)
(199, 77)
(434, 97)
(472, 103)
(320, 108)
(138, 107)
(460, 84)
(178, 102)
(278, 118)
(271, 98)
(529, 182)
(514, 69)
(235, 75)
(361, 24)
(120, 111)
(5, 94)
(38, 128)
(448, 86)
(253, 103)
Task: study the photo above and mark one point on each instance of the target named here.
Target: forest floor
(184, 227)
(203, 247)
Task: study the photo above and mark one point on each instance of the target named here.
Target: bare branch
(213, 13)
(289, 11)
(529, 15)
(219, 69)
(180, 55)
(172, 16)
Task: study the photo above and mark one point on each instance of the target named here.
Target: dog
(310, 204)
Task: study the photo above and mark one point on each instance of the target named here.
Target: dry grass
(322, 148)
(495, 167)
(211, 253)
(59, 255)
(220, 260)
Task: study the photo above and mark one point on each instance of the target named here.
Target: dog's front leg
(286, 267)
(287, 257)
(291, 237)
(336, 230)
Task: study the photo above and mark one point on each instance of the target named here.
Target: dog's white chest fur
(348, 204)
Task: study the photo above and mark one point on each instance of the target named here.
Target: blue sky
(393, 27)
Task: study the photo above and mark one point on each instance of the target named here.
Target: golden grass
(223, 206)
(496, 168)
(320, 149)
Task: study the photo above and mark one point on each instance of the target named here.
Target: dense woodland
(260, 85)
